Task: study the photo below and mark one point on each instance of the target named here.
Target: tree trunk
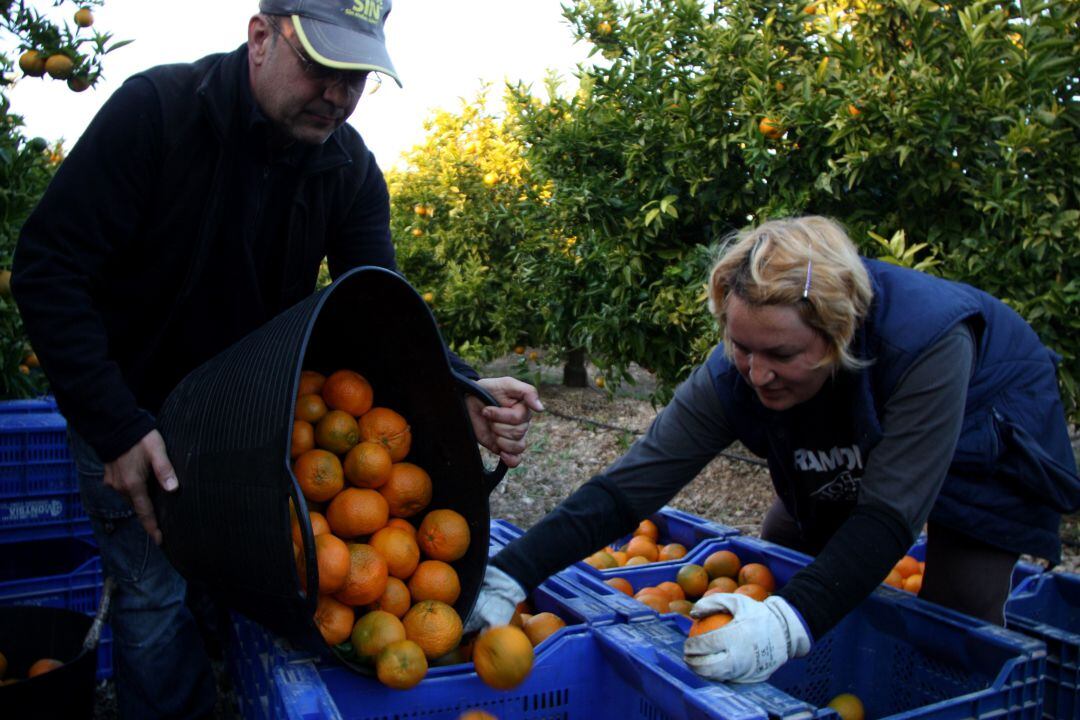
(574, 370)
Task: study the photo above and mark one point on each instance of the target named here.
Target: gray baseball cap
(342, 34)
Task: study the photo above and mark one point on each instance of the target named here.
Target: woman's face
(776, 352)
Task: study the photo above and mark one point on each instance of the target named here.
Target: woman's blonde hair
(808, 263)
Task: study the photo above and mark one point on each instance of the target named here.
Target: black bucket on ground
(30, 633)
(228, 427)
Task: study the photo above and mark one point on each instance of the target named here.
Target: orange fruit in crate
(683, 607)
(622, 585)
(723, 584)
(443, 535)
(43, 666)
(648, 529)
(693, 580)
(303, 438)
(408, 491)
(722, 563)
(542, 626)
(637, 560)
(620, 557)
(434, 626)
(389, 429)
(334, 620)
(357, 511)
(752, 590)
(368, 465)
(366, 580)
(319, 526)
(673, 590)
(337, 432)
(672, 551)
(894, 579)
(655, 599)
(848, 707)
(403, 524)
(401, 665)
(347, 391)
(374, 631)
(503, 657)
(400, 550)
(310, 408)
(332, 558)
(709, 622)
(395, 600)
(907, 566)
(311, 383)
(913, 583)
(476, 715)
(641, 546)
(601, 560)
(319, 475)
(435, 580)
(758, 574)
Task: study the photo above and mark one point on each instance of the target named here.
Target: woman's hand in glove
(499, 597)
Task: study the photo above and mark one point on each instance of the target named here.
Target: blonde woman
(883, 399)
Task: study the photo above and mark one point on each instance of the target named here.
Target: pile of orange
(386, 584)
(722, 571)
(40, 667)
(643, 547)
(907, 574)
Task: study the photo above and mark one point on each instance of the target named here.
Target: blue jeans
(161, 666)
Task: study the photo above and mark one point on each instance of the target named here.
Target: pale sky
(441, 50)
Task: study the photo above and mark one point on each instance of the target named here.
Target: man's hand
(761, 637)
(502, 429)
(127, 475)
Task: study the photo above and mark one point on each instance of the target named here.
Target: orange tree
(461, 204)
(67, 52)
(951, 127)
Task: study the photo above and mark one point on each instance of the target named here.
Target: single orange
(368, 465)
(310, 408)
(913, 583)
(43, 666)
(435, 580)
(366, 580)
(348, 391)
(337, 432)
(683, 607)
(622, 585)
(723, 584)
(334, 620)
(636, 560)
(408, 491)
(601, 560)
(722, 563)
(542, 626)
(399, 549)
(403, 524)
(389, 429)
(907, 566)
(672, 551)
(319, 474)
(332, 558)
(673, 590)
(655, 599)
(401, 665)
(894, 579)
(311, 383)
(752, 590)
(357, 511)
(434, 626)
(642, 546)
(648, 529)
(302, 440)
(395, 599)
(709, 623)
(374, 631)
(693, 580)
(758, 574)
(503, 657)
(443, 535)
(848, 707)
(319, 526)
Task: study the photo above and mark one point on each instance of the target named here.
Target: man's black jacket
(172, 230)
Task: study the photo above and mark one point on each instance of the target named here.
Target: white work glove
(761, 637)
(499, 597)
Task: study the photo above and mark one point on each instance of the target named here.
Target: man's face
(300, 105)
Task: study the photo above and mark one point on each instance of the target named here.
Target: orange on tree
(709, 622)
(401, 665)
(435, 580)
(337, 432)
(722, 563)
(758, 574)
(83, 17)
(389, 429)
(302, 440)
(347, 391)
(444, 535)
(434, 626)
(408, 491)
(334, 619)
(59, 66)
(503, 657)
(770, 128)
(368, 465)
(542, 626)
(310, 408)
(398, 547)
(374, 631)
(357, 511)
(32, 63)
(311, 383)
(366, 580)
(43, 666)
(394, 600)
(319, 474)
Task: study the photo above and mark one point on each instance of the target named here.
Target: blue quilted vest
(1013, 472)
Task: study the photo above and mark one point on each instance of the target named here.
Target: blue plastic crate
(60, 573)
(781, 561)
(1047, 607)
(903, 657)
(33, 405)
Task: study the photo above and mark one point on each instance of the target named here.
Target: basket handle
(491, 477)
(94, 633)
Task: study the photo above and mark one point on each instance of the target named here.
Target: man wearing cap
(197, 205)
